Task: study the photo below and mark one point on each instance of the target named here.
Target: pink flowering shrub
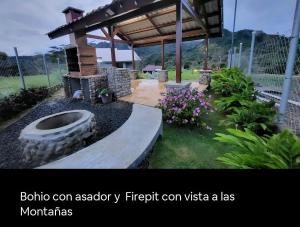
(185, 107)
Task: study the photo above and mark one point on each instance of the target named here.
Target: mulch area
(108, 117)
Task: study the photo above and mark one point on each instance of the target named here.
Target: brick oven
(83, 73)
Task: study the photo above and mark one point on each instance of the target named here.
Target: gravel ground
(108, 117)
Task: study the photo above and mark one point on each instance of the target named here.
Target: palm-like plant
(227, 104)
(280, 151)
(258, 117)
(231, 81)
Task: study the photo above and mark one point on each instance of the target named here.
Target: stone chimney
(72, 14)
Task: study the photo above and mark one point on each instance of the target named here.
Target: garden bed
(248, 136)
(108, 117)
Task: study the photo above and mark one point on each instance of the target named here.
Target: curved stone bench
(125, 148)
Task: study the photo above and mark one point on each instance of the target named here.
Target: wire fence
(268, 73)
(36, 71)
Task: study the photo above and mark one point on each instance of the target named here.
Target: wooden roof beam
(190, 10)
(122, 36)
(154, 25)
(158, 27)
(145, 18)
(158, 39)
(105, 32)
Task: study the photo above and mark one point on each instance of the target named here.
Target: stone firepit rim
(32, 132)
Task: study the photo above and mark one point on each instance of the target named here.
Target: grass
(186, 75)
(11, 85)
(185, 148)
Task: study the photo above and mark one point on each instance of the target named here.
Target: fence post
(290, 63)
(234, 57)
(240, 55)
(251, 53)
(229, 59)
(20, 70)
(58, 64)
(233, 30)
(59, 68)
(46, 70)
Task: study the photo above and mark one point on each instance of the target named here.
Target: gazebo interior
(146, 22)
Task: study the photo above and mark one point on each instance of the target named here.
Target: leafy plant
(14, 104)
(104, 92)
(227, 104)
(258, 117)
(231, 81)
(185, 107)
(280, 151)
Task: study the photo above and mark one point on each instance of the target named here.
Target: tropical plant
(227, 104)
(279, 151)
(186, 107)
(258, 117)
(231, 81)
(104, 92)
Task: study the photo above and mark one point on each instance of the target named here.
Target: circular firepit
(56, 135)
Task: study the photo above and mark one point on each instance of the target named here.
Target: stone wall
(88, 84)
(118, 80)
(96, 83)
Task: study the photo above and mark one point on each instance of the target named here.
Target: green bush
(227, 104)
(14, 104)
(258, 117)
(280, 151)
(231, 81)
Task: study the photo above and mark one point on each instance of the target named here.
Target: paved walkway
(148, 92)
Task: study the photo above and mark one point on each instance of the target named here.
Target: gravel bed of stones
(109, 118)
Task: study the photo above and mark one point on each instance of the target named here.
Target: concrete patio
(148, 92)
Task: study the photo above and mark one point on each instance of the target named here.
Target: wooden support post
(178, 39)
(206, 53)
(112, 47)
(163, 55)
(133, 60)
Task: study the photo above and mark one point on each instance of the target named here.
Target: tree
(3, 56)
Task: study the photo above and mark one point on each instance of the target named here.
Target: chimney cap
(66, 10)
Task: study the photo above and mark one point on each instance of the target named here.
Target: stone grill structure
(117, 80)
(89, 86)
(83, 73)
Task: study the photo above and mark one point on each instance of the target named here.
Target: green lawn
(11, 85)
(189, 148)
(186, 75)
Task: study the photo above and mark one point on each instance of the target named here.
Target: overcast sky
(24, 23)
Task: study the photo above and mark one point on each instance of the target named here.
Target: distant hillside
(193, 51)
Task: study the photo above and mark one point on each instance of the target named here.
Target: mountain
(194, 51)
